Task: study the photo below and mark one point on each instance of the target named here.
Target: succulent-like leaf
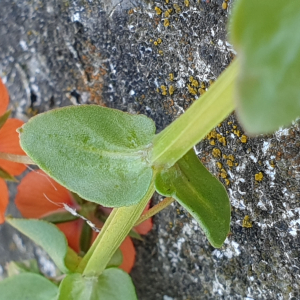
(101, 154)
(268, 88)
(200, 193)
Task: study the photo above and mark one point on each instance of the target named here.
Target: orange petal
(9, 143)
(128, 252)
(146, 226)
(31, 200)
(72, 231)
(3, 199)
(4, 98)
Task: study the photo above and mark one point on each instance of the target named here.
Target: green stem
(154, 210)
(112, 235)
(191, 127)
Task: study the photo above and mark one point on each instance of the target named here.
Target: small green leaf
(200, 193)
(265, 36)
(5, 175)
(27, 286)
(113, 284)
(116, 260)
(50, 238)
(101, 154)
(59, 217)
(16, 267)
(4, 118)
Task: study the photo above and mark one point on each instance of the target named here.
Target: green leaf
(200, 193)
(59, 217)
(27, 286)
(4, 118)
(113, 284)
(50, 238)
(116, 260)
(5, 175)
(268, 88)
(100, 153)
(14, 268)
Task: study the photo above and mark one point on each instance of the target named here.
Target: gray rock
(71, 52)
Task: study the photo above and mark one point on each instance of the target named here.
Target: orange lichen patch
(131, 11)
(216, 152)
(244, 139)
(93, 77)
(259, 176)
(247, 222)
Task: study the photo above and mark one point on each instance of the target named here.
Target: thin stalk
(112, 235)
(22, 159)
(191, 127)
(154, 210)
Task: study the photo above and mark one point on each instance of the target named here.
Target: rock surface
(133, 56)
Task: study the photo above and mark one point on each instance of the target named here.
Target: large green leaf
(265, 34)
(113, 284)
(200, 193)
(51, 239)
(101, 154)
(27, 286)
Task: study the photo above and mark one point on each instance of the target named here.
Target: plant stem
(113, 233)
(191, 127)
(155, 209)
(22, 159)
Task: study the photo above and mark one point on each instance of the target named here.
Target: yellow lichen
(247, 222)
(216, 152)
(223, 173)
(161, 52)
(222, 140)
(171, 90)
(229, 123)
(202, 85)
(155, 43)
(177, 8)
(244, 139)
(168, 12)
(227, 181)
(159, 40)
(259, 176)
(231, 157)
(219, 165)
(166, 22)
(191, 78)
(163, 90)
(229, 163)
(234, 127)
(201, 91)
(191, 90)
(224, 5)
(212, 142)
(171, 76)
(212, 134)
(167, 1)
(158, 10)
(187, 3)
(237, 132)
(272, 163)
(195, 83)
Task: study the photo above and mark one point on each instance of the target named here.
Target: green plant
(115, 159)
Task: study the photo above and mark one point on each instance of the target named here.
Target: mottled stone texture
(120, 54)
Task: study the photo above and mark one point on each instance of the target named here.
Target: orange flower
(32, 202)
(9, 143)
